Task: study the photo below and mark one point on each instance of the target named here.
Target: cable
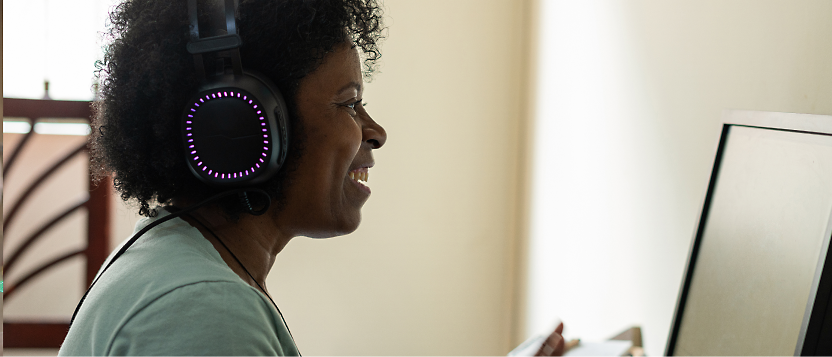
(167, 218)
(247, 272)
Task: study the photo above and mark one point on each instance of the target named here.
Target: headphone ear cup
(235, 131)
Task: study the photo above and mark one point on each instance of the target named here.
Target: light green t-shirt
(171, 293)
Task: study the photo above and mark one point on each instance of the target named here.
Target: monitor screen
(761, 244)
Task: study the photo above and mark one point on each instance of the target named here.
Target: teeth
(359, 176)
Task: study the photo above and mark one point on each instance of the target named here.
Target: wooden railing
(50, 334)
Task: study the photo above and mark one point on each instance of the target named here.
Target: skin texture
(320, 200)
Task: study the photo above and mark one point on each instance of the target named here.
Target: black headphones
(235, 128)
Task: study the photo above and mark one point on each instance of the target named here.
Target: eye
(351, 109)
(352, 105)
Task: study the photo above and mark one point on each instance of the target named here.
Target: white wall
(628, 109)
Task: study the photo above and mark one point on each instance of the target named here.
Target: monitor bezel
(817, 319)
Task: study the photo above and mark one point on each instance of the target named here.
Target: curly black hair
(147, 75)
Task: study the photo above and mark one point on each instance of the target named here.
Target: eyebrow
(349, 85)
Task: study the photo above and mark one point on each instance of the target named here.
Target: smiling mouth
(360, 176)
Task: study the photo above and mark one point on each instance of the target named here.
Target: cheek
(335, 147)
(349, 142)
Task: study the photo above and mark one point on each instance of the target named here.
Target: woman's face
(325, 195)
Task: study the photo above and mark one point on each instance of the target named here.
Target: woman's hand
(554, 345)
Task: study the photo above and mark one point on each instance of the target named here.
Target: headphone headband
(230, 41)
(229, 10)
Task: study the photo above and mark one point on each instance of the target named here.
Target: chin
(340, 228)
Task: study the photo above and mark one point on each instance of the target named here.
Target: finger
(554, 345)
(559, 329)
(545, 350)
(560, 347)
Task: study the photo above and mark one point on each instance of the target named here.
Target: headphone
(235, 127)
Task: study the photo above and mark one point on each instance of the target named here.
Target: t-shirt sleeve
(205, 318)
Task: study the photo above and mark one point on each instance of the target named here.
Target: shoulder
(208, 317)
(171, 293)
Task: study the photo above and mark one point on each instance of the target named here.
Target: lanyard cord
(247, 272)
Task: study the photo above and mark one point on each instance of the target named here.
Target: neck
(254, 240)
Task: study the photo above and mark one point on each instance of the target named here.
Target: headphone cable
(167, 218)
(247, 272)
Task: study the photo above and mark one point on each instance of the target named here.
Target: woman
(195, 284)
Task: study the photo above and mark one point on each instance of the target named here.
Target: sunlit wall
(628, 106)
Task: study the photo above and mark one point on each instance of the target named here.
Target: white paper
(529, 347)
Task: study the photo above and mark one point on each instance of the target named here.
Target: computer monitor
(759, 275)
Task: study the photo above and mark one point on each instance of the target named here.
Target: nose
(372, 133)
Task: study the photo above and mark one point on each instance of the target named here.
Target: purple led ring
(254, 106)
